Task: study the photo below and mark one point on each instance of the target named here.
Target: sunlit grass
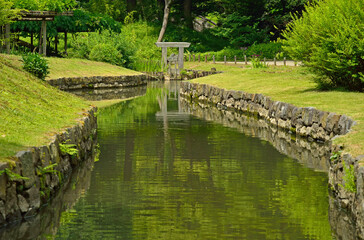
(31, 111)
(71, 67)
(293, 85)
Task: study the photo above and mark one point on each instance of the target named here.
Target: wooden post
(180, 58)
(44, 32)
(32, 40)
(56, 44)
(205, 58)
(284, 61)
(265, 61)
(225, 59)
(199, 58)
(40, 41)
(275, 62)
(7, 38)
(194, 57)
(65, 43)
(213, 59)
(235, 59)
(189, 57)
(245, 59)
(164, 58)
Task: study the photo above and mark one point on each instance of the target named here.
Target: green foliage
(106, 52)
(12, 176)
(150, 65)
(106, 46)
(265, 50)
(48, 169)
(70, 149)
(36, 65)
(140, 38)
(7, 14)
(240, 32)
(257, 63)
(329, 38)
(46, 5)
(349, 178)
(335, 156)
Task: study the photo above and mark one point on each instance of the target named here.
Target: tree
(7, 14)
(167, 9)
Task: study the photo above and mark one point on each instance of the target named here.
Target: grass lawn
(31, 111)
(292, 85)
(71, 67)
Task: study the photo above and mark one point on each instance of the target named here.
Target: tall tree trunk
(167, 9)
(187, 12)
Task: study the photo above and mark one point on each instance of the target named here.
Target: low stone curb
(20, 199)
(100, 82)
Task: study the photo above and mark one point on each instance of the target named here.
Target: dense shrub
(106, 46)
(106, 52)
(36, 65)
(329, 38)
(241, 31)
(263, 50)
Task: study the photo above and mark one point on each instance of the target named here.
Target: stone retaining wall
(20, 199)
(307, 122)
(100, 82)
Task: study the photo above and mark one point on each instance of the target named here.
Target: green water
(163, 174)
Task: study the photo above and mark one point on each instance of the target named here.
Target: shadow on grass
(9, 149)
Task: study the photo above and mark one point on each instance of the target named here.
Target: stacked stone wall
(100, 82)
(44, 170)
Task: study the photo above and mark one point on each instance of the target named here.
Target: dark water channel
(166, 174)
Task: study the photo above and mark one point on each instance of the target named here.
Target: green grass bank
(73, 67)
(293, 85)
(31, 111)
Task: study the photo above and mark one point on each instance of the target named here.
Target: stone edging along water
(307, 122)
(71, 83)
(22, 198)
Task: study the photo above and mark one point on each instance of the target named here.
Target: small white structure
(165, 62)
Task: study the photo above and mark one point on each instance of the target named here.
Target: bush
(265, 50)
(329, 40)
(106, 52)
(36, 65)
(106, 46)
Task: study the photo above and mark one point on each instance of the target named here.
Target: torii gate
(42, 16)
(166, 45)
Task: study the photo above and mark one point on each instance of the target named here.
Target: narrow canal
(165, 174)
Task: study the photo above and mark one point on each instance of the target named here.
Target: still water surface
(164, 174)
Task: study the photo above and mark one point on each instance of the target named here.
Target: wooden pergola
(42, 16)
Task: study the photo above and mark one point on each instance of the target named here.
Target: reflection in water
(311, 154)
(164, 174)
(46, 223)
(110, 93)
